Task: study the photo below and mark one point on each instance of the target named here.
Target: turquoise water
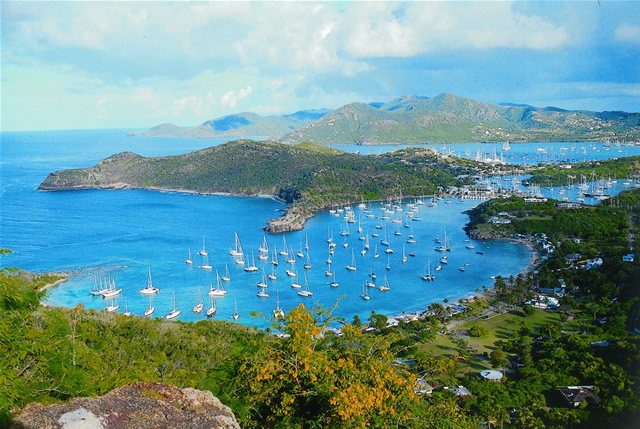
(123, 233)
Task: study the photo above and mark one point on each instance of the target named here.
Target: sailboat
(385, 287)
(278, 313)
(189, 260)
(98, 290)
(203, 252)
(506, 146)
(206, 265)
(211, 311)
(174, 312)
(273, 275)
(113, 306)
(306, 292)
(295, 283)
(149, 311)
(364, 294)
(404, 257)
(263, 250)
(126, 309)
(284, 252)
(307, 265)
(235, 316)
(112, 292)
(237, 251)
(446, 246)
(306, 243)
(227, 276)
(274, 259)
(219, 290)
(199, 306)
(300, 253)
(328, 272)
(333, 282)
(352, 267)
(291, 257)
(427, 275)
(251, 268)
(388, 266)
(262, 293)
(263, 283)
(375, 252)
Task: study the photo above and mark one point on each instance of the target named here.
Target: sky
(87, 64)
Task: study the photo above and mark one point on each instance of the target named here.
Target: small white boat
(149, 311)
(444, 260)
(237, 251)
(278, 313)
(385, 287)
(306, 292)
(126, 309)
(175, 312)
(206, 265)
(98, 290)
(364, 294)
(203, 252)
(235, 316)
(113, 306)
(333, 282)
(352, 267)
(273, 275)
(199, 303)
(263, 283)
(262, 293)
(219, 290)
(211, 311)
(189, 260)
(113, 291)
(251, 268)
(226, 277)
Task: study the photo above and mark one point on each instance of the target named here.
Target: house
(459, 391)
(628, 258)
(569, 206)
(575, 395)
(535, 200)
(422, 387)
(499, 221)
(491, 375)
(592, 263)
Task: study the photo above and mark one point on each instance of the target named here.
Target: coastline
(65, 277)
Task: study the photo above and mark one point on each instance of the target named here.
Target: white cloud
(628, 33)
(231, 99)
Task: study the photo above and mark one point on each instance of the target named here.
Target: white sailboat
(427, 275)
(375, 252)
(203, 252)
(237, 250)
(306, 243)
(295, 284)
(236, 315)
(385, 287)
(446, 246)
(149, 311)
(219, 290)
(175, 312)
(199, 303)
(328, 272)
(126, 308)
(364, 294)
(274, 259)
(307, 264)
(263, 250)
(251, 268)
(278, 313)
(113, 291)
(334, 282)
(263, 283)
(352, 267)
(211, 311)
(206, 265)
(227, 276)
(404, 256)
(273, 275)
(262, 293)
(189, 260)
(284, 252)
(113, 306)
(98, 290)
(291, 257)
(306, 292)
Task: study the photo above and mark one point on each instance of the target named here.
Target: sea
(124, 235)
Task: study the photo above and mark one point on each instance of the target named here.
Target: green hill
(449, 118)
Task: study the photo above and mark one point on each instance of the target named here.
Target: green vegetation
(308, 176)
(311, 377)
(448, 118)
(619, 168)
(602, 225)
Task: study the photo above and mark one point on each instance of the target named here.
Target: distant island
(445, 118)
(306, 176)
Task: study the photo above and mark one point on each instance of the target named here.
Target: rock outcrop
(140, 405)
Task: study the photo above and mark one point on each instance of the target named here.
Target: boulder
(138, 406)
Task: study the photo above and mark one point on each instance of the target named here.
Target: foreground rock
(141, 405)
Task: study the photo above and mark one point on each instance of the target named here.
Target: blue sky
(73, 65)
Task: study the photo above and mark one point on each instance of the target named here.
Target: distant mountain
(240, 125)
(449, 118)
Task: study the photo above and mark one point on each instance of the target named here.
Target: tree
(499, 358)
(478, 331)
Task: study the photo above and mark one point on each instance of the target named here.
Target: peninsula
(305, 176)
